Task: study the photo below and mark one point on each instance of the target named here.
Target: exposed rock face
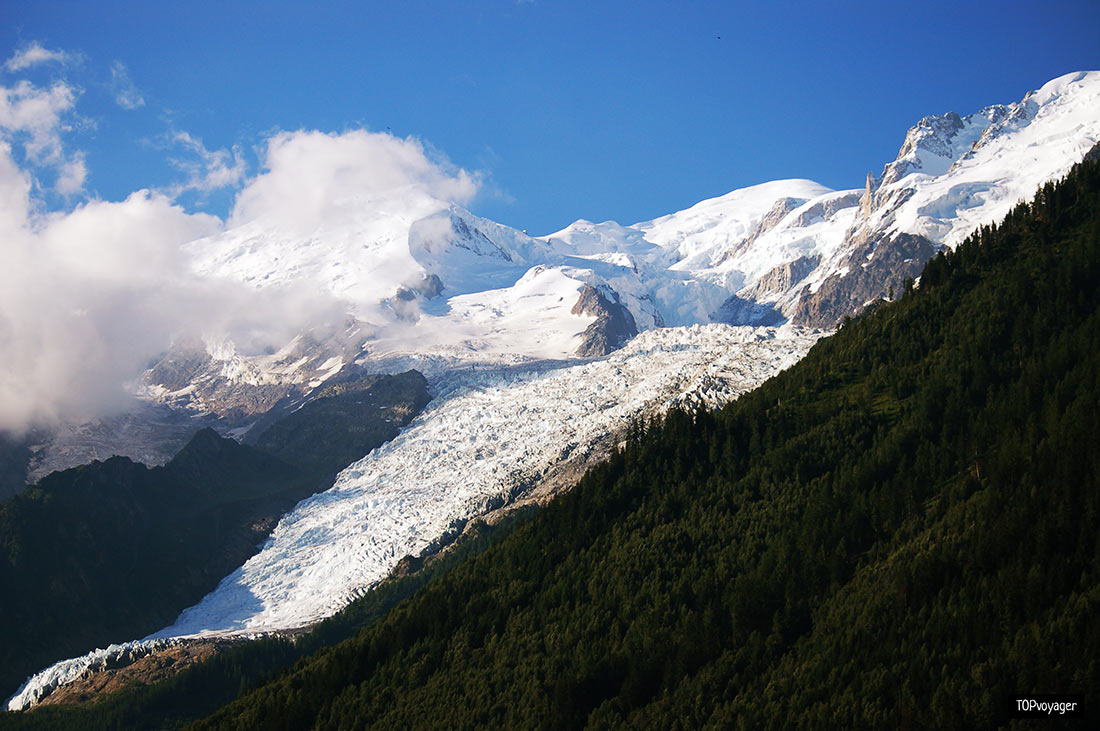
(877, 257)
(133, 669)
(216, 379)
(740, 311)
(874, 267)
(1094, 153)
(933, 136)
(475, 240)
(780, 279)
(180, 366)
(429, 287)
(867, 200)
(151, 433)
(448, 230)
(614, 324)
(771, 219)
(826, 208)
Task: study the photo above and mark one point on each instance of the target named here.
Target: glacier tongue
(485, 433)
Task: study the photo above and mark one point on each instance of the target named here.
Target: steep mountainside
(112, 549)
(794, 249)
(15, 457)
(345, 421)
(897, 532)
(429, 277)
(951, 175)
(487, 438)
(502, 323)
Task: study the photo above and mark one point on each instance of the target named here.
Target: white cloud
(311, 177)
(87, 297)
(70, 179)
(33, 55)
(212, 170)
(127, 95)
(35, 113)
(33, 117)
(15, 195)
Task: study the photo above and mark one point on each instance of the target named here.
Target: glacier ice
(484, 433)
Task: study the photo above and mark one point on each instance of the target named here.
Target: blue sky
(562, 110)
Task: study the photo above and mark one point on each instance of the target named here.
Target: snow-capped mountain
(793, 249)
(417, 275)
(504, 325)
(952, 175)
(409, 279)
(486, 437)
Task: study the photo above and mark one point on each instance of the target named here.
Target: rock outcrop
(614, 324)
(873, 269)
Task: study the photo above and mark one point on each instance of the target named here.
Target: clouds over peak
(87, 297)
(310, 177)
(92, 290)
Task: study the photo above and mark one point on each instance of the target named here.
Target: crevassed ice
(468, 448)
(486, 431)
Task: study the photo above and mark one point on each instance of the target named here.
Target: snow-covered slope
(972, 171)
(407, 274)
(764, 253)
(706, 238)
(952, 174)
(690, 262)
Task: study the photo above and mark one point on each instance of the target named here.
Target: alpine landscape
(351, 455)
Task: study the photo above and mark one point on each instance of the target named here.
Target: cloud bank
(86, 298)
(312, 177)
(89, 296)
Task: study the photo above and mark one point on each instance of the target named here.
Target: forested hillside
(898, 532)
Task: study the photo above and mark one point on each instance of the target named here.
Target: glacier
(485, 435)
